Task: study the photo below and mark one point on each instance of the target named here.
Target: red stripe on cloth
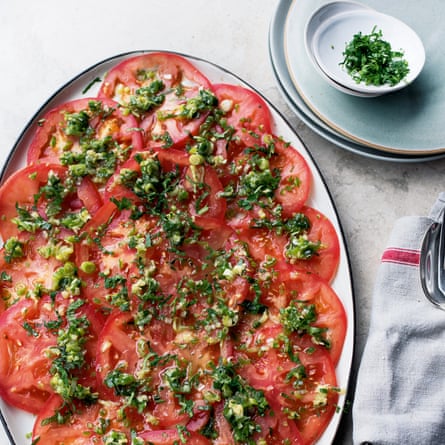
(410, 257)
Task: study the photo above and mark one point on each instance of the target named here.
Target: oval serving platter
(17, 423)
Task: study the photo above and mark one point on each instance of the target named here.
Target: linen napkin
(400, 388)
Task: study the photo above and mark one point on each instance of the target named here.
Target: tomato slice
(298, 285)
(181, 81)
(22, 188)
(296, 178)
(86, 125)
(26, 340)
(115, 189)
(150, 355)
(325, 262)
(301, 389)
(172, 437)
(78, 430)
(118, 344)
(106, 247)
(265, 242)
(24, 367)
(27, 275)
(85, 424)
(206, 206)
(246, 111)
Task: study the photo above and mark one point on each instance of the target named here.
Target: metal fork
(432, 271)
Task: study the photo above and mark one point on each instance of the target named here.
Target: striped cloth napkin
(400, 388)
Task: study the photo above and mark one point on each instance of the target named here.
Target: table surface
(44, 44)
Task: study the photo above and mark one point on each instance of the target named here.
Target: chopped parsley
(242, 402)
(302, 248)
(300, 317)
(371, 60)
(13, 249)
(97, 159)
(77, 124)
(146, 98)
(70, 356)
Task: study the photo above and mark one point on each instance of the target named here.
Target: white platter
(18, 424)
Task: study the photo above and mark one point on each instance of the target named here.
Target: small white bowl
(322, 14)
(334, 25)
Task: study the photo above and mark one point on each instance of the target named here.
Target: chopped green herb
(87, 88)
(242, 402)
(371, 60)
(146, 98)
(300, 247)
(13, 249)
(300, 317)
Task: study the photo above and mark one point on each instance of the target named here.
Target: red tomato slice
(293, 285)
(296, 178)
(89, 196)
(24, 366)
(172, 437)
(22, 276)
(172, 157)
(207, 207)
(78, 429)
(269, 163)
(85, 424)
(177, 74)
(118, 344)
(324, 263)
(22, 187)
(25, 342)
(309, 398)
(246, 111)
(106, 246)
(114, 187)
(120, 348)
(51, 139)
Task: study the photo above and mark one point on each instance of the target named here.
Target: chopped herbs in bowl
(361, 51)
(370, 59)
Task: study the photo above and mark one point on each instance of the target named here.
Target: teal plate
(407, 122)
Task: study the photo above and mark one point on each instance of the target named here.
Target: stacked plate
(339, 22)
(404, 126)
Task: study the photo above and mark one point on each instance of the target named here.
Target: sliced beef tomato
(206, 206)
(24, 365)
(295, 178)
(325, 261)
(104, 258)
(172, 437)
(31, 272)
(297, 378)
(319, 238)
(44, 192)
(269, 180)
(165, 91)
(156, 360)
(100, 422)
(91, 136)
(294, 286)
(28, 331)
(246, 112)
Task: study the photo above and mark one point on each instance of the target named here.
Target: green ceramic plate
(408, 122)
